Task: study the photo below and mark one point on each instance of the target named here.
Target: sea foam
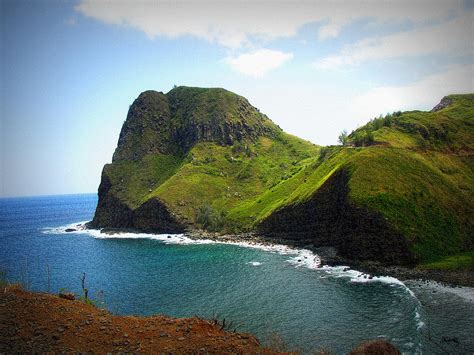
(298, 257)
(301, 257)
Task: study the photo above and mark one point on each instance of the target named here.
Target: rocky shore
(329, 257)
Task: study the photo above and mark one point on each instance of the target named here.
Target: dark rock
(110, 211)
(445, 102)
(154, 216)
(67, 295)
(174, 122)
(328, 219)
(68, 230)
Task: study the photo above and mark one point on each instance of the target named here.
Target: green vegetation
(132, 181)
(210, 219)
(447, 130)
(460, 261)
(226, 178)
(343, 138)
(413, 168)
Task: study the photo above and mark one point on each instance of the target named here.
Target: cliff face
(328, 218)
(173, 123)
(151, 216)
(169, 126)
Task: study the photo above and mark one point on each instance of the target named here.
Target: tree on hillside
(343, 138)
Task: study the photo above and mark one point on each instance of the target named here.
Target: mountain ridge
(398, 192)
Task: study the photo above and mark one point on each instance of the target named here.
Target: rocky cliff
(328, 218)
(399, 192)
(173, 123)
(170, 125)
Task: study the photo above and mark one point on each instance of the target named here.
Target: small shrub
(324, 153)
(343, 138)
(208, 160)
(362, 138)
(224, 324)
(209, 218)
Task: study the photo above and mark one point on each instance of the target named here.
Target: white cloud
(258, 63)
(329, 31)
(234, 23)
(319, 112)
(453, 37)
(423, 94)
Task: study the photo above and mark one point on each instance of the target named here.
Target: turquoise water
(267, 293)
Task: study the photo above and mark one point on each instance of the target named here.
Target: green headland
(398, 191)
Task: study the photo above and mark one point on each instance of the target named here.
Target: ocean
(277, 293)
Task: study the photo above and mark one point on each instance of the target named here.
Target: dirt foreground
(39, 322)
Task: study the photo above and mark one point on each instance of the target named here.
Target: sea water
(272, 292)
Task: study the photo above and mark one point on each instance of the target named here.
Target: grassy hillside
(234, 168)
(417, 172)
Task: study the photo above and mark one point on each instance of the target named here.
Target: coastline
(328, 256)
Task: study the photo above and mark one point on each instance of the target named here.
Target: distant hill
(398, 192)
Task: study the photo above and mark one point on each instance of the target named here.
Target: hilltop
(185, 159)
(46, 323)
(398, 192)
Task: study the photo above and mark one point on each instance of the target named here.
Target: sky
(70, 70)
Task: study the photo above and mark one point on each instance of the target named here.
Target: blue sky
(70, 70)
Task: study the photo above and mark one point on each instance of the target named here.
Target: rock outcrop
(375, 347)
(329, 219)
(173, 123)
(151, 216)
(445, 102)
(170, 125)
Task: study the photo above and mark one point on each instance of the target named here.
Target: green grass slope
(417, 173)
(199, 152)
(217, 163)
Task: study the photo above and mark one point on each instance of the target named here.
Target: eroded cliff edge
(329, 219)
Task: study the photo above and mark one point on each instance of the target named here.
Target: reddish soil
(39, 322)
(375, 347)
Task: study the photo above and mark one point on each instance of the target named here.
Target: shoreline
(327, 255)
